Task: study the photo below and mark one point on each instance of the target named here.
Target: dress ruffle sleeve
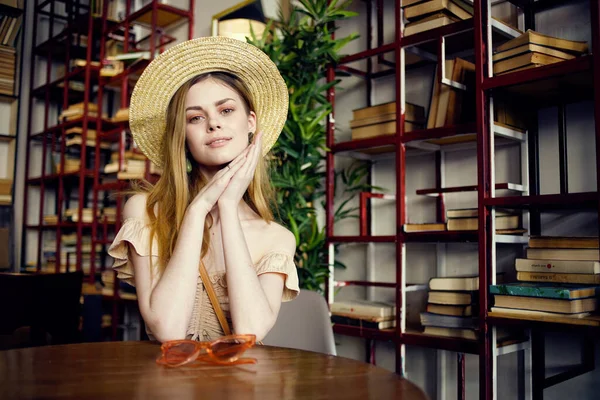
(282, 263)
(135, 232)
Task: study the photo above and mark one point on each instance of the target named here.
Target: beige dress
(204, 324)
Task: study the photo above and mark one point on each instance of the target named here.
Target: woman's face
(217, 124)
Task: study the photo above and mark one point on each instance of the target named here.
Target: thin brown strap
(213, 299)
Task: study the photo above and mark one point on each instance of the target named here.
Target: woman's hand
(207, 198)
(243, 175)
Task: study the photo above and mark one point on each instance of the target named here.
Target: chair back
(304, 324)
(41, 308)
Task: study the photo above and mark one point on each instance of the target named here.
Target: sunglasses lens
(229, 349)
(179, 353)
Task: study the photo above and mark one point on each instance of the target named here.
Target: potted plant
(302, 48)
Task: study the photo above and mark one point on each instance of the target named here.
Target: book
(456, 310)
(77, 140)
(564, 242)
(452, 298)
(469, 224)
(377, 119)
(444, 96)
(343, 320)
(586, 279)
(472, 212)
(125, 175)
(433, 102)
(447, 321)
(78, 130)
(530, 47)
(127, 155)
(386, 128)
(457, 283)
(455, 7)
(538, 314)
(563, 266)
(364, 307)
(451, 332)
(523, 60)
(564, 254)
(6, 186)
(412, 112)
(506, 113)
(406, 3)
(563, 306)
(363, 317)
(460, 103)
(425, 24)
(530, 36)
(130, 56)
(427, 227)
(541, 289)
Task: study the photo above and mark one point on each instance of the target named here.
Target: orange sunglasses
(226, 350)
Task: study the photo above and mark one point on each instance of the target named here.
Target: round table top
(128, 370)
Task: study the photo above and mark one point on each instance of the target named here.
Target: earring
(188, 165)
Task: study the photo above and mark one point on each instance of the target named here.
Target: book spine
(365, 310)
(336, 319)
(558, 278)
(549, 292)
(561, 266)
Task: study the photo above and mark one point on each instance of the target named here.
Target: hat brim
(171, 69)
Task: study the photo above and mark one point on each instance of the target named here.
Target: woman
(207, 111)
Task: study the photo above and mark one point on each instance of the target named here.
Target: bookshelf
(11, 49)
(536, 88)
(145, 32)
(78, 122)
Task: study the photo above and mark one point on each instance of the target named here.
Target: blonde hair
(169, 198)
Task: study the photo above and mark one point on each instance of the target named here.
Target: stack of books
(9, 26)
(72, 164)
(68, 253)
(73, 137)
(449, 105)
(364, 314)
(544, 301)
(75, 111)
(50, 219)
(7, 70)
(532, 49)
(109, 214)
(430, 14)
(556, 279)
(452, 307)
(572, 260)
(122, 115)
(381, 120)
(466, 219)
(72, 215)
(133, 166)
(111, 68)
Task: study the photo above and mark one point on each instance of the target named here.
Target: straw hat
(170, 70)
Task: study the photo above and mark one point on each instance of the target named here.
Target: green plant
(302, 48)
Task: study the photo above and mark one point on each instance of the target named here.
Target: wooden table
(128, 370)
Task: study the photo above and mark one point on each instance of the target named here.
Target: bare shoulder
(279, 238)
(135, 206)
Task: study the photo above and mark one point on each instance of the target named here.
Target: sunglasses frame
(210, 356)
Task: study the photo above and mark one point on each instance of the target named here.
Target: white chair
(304, 324)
